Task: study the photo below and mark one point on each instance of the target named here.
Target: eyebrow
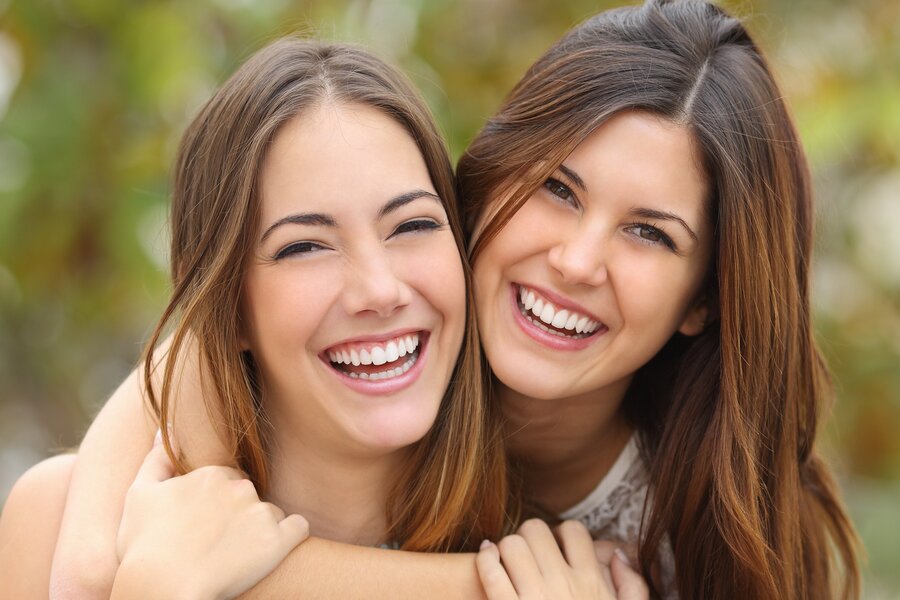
(325, 220)
(573, 176)
(646, 213)
(661, 215)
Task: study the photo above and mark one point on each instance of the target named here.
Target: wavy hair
(727, 419)
(452, 493)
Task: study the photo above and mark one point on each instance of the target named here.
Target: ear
(696, 318)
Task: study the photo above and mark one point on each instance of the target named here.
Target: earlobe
(695, 320)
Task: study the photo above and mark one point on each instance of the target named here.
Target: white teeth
(560, 318)
(538, 310)
(354, 358)
(345, 357)
(401, 347)
(392, 352)
(547, 314)
(379, 357)
(580, 325)
(364, 357)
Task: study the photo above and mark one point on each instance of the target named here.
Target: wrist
(138, 578)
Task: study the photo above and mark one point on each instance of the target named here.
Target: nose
(373, 285)
(579, 257)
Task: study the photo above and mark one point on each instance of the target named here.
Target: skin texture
(312, 287)
(606, 257)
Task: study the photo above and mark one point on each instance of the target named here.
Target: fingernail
(157, 440)
(486, 544)
(622, 556)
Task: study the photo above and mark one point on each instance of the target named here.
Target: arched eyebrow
(661, 215)
(326, 220)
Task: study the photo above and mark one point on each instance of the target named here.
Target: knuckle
(511, 543)
(533, 526)
(572, 528)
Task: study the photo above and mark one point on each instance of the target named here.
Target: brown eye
(559, 189)
(650, 233)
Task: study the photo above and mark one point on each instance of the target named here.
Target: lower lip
(383, 387)
(548, 339)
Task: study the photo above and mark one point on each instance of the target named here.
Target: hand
(535, 566)
(205, 534)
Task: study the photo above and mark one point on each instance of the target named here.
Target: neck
(565, 445)
(344, 497)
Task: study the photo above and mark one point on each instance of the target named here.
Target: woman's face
(601, 265)
(354, 302)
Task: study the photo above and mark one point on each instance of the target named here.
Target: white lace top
(613, 510)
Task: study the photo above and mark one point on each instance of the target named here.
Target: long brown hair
(727, 419)
(452, 493)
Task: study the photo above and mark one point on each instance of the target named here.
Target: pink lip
(560, 302)
(383, 387)
(548, 339)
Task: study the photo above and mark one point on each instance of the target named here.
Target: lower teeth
(396, 372)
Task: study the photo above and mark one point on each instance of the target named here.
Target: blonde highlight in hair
(727, 419)
(453, 492)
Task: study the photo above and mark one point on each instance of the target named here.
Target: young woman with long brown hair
(645, 181)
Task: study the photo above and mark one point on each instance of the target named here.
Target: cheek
(654, 291)
(283, 309)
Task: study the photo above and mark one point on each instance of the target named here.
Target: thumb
(156, 466)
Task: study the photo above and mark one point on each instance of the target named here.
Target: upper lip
(561, 301)
(376, 337)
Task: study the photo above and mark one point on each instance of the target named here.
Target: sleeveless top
(613, 510)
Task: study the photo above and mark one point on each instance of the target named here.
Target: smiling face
(354, 301)
(601, 265)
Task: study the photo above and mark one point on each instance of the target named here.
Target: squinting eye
(417, 225)
(558, 189)
(298, 248)
(652, 235)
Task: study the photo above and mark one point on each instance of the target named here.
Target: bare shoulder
(29, 527)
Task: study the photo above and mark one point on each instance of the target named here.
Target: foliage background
(94, 95)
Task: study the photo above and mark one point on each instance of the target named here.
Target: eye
(560, 190)
(651, 235)
(298, 248)
(417, 225)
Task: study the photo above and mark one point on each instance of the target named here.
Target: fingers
(628, 583)
(544, 547)
(156, 466)
(294, 529)
(520, 564)
(575, 541)
(494, 579)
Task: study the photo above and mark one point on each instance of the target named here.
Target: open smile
(379, 366)
(561, 327)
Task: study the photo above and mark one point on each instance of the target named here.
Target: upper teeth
(377, 353)
(559, 318)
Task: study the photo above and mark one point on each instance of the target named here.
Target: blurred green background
(94, 95)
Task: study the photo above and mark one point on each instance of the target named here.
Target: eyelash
(298, 248)
(417, 226)
(413, 226)
(663, 237)
(560, 191)
(563, 193)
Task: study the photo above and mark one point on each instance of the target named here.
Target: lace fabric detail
(613, 510)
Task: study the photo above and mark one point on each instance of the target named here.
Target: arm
(85, 562)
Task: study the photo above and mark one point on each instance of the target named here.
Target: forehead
(645, 159)
(339, 157)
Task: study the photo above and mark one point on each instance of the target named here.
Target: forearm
(320, 568)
